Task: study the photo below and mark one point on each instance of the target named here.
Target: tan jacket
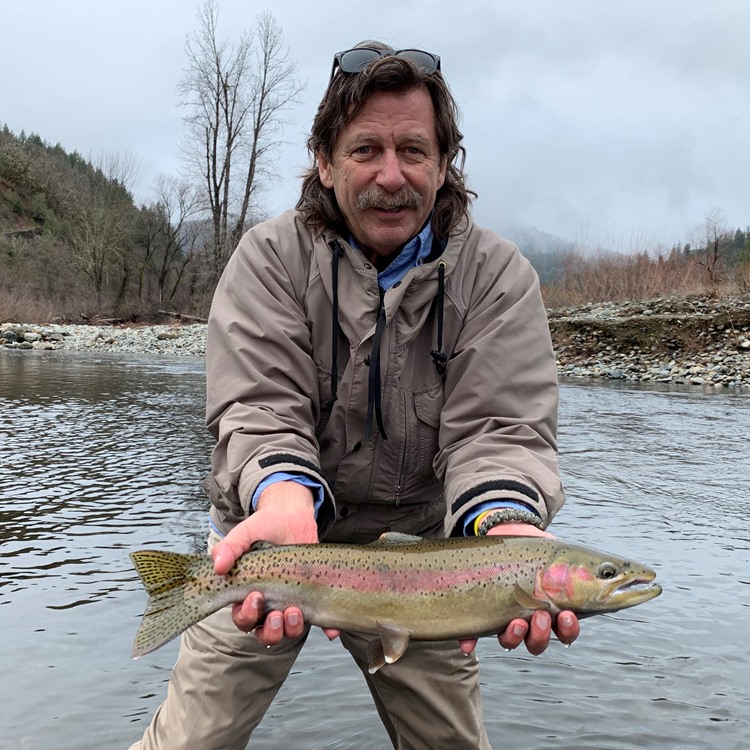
(485, 429)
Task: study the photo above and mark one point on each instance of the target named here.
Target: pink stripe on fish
(404, 580)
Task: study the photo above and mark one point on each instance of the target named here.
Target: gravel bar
(698, 341)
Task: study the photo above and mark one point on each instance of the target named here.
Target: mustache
(374, 197)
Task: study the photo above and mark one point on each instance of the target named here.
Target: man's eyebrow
(409, 138)
(417, 139)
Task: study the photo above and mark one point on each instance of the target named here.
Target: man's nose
(390, 174)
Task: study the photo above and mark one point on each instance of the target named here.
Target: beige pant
(224, 682)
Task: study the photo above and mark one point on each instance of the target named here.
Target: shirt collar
(412, 254)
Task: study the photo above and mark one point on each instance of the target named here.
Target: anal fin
(388, 648)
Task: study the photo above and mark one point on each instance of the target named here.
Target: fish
(398, 588)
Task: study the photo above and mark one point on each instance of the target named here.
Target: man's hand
(537, 633)
(284, 515)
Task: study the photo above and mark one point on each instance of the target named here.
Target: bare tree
(712, 238)
(237, 96)
(102, 220)
(167, 237)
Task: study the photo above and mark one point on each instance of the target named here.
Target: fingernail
(293, 619)
(519, 630)
(566, 620)
(275, 621)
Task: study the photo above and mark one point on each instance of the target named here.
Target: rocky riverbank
(693, 340)
(177, 339)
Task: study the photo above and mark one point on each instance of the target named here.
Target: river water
(102, 454)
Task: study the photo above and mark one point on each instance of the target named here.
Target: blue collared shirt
(412, 254)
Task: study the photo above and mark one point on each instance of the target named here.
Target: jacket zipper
(404, 448)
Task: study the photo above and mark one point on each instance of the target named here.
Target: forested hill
(73, 243)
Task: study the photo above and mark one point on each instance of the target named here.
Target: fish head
(590, 582)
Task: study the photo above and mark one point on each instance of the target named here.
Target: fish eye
(606, 571)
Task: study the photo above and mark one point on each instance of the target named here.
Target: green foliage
(39, 210)
(56, 227)
(14, 200)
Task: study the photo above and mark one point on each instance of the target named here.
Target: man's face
(386, 170)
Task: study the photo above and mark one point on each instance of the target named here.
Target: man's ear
(325, 170)
(442, 172)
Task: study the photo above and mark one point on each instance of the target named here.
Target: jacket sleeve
(262, 401)
(498, 436)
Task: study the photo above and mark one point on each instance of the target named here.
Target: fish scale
(397, 589)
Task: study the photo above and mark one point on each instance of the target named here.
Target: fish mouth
(631, 591)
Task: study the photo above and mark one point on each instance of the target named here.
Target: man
(375, 362)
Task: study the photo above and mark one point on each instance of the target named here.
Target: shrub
(39, 210)
(14, 200)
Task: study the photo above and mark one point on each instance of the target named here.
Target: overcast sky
(617, 123)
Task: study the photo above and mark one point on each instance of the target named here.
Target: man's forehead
(395, 111)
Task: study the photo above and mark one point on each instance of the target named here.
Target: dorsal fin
(396, 537)
(261, 544)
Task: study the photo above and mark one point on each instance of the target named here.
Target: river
(101, 454)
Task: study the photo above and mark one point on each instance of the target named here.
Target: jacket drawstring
(374, 393)
(336, 252)
(374, 396)
(439, 357)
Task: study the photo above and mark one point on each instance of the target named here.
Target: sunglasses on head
(357, 59)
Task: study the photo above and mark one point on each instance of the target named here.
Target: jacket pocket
(428, 405)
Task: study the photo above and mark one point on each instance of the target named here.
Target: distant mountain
(545, 251)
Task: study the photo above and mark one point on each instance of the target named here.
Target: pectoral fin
(388, 648)
(527, 600)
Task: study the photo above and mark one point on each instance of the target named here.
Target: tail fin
(165, 576)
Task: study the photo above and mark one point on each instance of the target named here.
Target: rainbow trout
(397, 588)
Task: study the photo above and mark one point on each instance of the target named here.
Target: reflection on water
(100, 455)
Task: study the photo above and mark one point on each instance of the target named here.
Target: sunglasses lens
(423, 59)
(356, 60)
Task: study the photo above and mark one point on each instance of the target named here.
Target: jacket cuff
(495, 490)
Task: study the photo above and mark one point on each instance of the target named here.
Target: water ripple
(100, 455)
